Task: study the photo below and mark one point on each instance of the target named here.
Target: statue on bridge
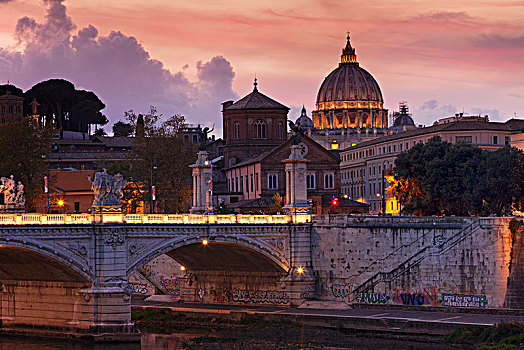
(12, 195)
(108, 191)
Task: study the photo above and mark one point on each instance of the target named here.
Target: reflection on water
(184, 341)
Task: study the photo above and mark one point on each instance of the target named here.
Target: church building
(256, 143)
(349, 106)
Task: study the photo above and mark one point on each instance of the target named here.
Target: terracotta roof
(510, 125)
(256, 100)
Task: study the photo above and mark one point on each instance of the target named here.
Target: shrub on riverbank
(502, 336)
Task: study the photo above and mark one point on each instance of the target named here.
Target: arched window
(236, 130)
(272, 181)
(280, 130)
(260, 129)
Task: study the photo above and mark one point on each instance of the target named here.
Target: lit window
(334, 144)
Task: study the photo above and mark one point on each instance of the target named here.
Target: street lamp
(153, 190)
(60, 205)
(383, 188)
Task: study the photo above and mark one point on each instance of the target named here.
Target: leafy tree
(100, 132)
(23, 150)
(160, 154)
(440, 178)
(62, 104)
(121, 129)
(277, 206)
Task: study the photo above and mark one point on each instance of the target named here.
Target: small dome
(402, 117)
(304, 120)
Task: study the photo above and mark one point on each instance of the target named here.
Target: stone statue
(107, 189)
(204, 137)
(297, 129)
(20, 198)
(13, 193)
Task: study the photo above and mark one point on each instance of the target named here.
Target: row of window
(10, 109)
(404, 146)
(259, 130)
(237, 184)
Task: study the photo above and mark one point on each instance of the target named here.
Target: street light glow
(205, 242)
(182, 268)
(60, 203)
(300, 270)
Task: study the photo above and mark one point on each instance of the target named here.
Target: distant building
(362, 166)
(402, 120)
(11, 107)
(256, 143)
(73, 188)
(88, 154)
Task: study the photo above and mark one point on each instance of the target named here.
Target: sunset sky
(189, 56)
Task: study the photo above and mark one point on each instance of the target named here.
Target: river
(184, 341)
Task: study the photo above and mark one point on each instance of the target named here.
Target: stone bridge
(69, 273)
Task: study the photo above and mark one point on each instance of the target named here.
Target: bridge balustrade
(60, 219)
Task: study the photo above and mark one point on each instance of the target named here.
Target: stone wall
(412, 261)
(55, 305)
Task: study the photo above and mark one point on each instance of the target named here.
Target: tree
(23, 151)
(121, 129)
(440, 178)
(100, 132)
(62, 104)
(160, 155)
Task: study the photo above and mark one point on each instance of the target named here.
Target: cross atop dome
(348, 53)
(255, 84)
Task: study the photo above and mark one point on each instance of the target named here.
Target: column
(202, 176)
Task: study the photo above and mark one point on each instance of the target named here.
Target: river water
(183, 341)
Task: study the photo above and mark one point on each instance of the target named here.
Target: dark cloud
(3, 1)
(430, 111)
(500, 41)
(444, 16)
(115, 66)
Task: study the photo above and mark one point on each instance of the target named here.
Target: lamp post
(384, 188)
(153, 189)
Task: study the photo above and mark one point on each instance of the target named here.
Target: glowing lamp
(182, 268)
(300, 270)
(60, 203)
(205, 242)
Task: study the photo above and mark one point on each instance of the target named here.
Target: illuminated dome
(349, 97)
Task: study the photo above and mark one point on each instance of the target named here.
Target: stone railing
(56, 219)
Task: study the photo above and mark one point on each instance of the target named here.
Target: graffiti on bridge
(341, 290)
(139, 288)
(412, 299)
(249, 296)
(372, 298)
(171, 285)
(461, 300)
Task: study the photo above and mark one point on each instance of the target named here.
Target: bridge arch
(27, 260)
(187, 251)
